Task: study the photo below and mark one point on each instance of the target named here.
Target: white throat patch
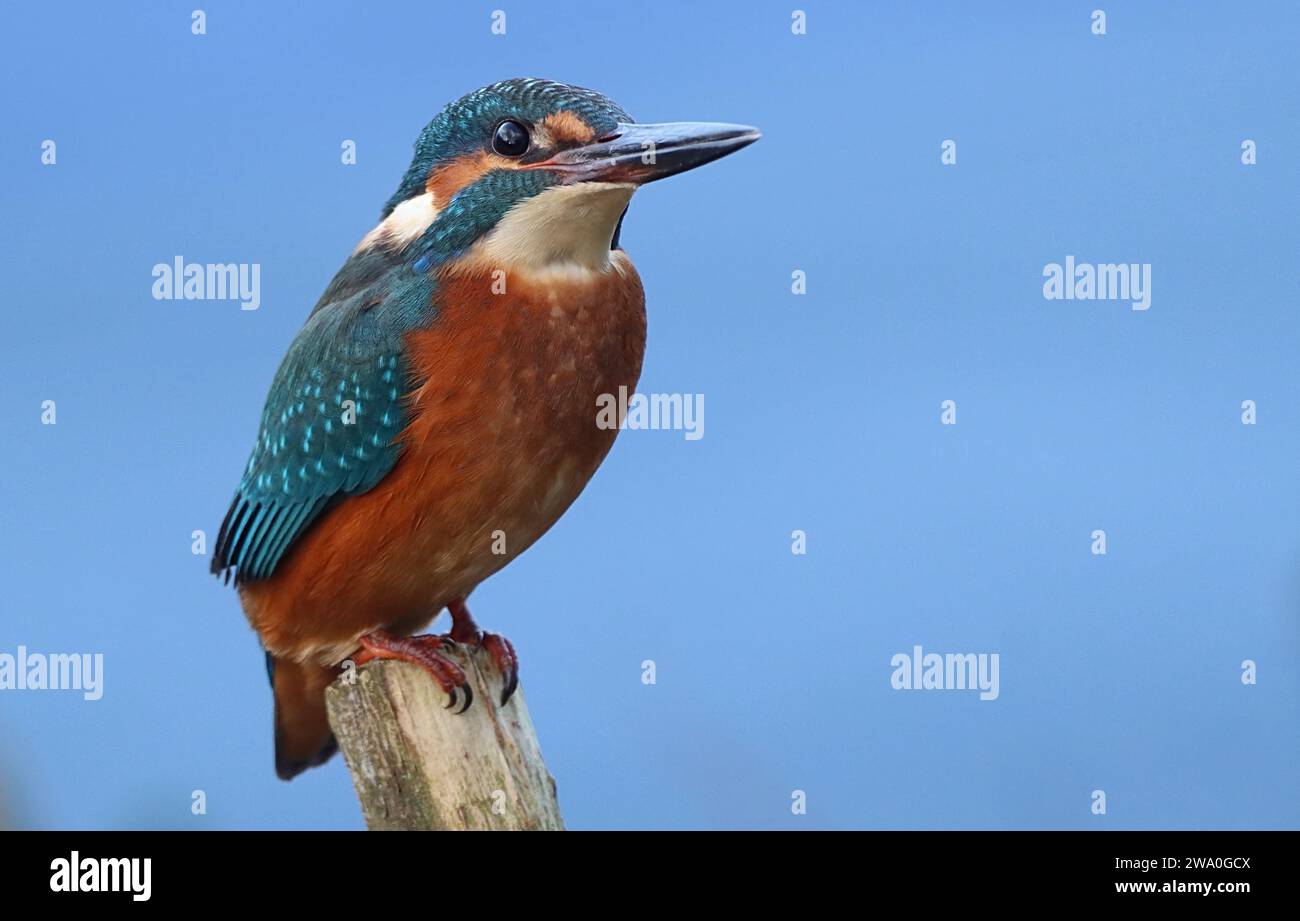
(565, 228)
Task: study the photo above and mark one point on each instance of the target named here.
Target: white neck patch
(403, 224)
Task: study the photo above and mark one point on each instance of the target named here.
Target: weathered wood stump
(418, 766)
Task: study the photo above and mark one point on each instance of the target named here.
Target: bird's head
(533, 174)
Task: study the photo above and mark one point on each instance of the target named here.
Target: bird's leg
(421, 651)
(465, 630)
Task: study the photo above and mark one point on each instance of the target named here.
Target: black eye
(511, 139)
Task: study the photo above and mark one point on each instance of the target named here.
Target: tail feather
(303, 738)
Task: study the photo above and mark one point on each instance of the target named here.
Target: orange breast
(502, 439)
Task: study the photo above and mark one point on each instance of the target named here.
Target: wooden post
(417, 766)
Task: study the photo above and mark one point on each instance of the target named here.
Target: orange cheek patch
(565, 126)
(446, 181)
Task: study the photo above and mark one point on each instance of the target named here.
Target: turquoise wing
(330, 425)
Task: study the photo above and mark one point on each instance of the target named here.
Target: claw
(465, 630)
(512, 685)
(421, 651)
(507, 662)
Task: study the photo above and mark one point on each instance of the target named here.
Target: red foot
(465, 630)
(422, 651)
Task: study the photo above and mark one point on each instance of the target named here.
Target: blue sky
(1119, 673)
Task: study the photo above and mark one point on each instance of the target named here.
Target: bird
(436, 413)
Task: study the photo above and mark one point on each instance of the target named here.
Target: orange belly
(502, 439)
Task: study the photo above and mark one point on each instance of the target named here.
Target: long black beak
(644, 153)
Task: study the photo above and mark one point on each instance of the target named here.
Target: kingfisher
(437, 412)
